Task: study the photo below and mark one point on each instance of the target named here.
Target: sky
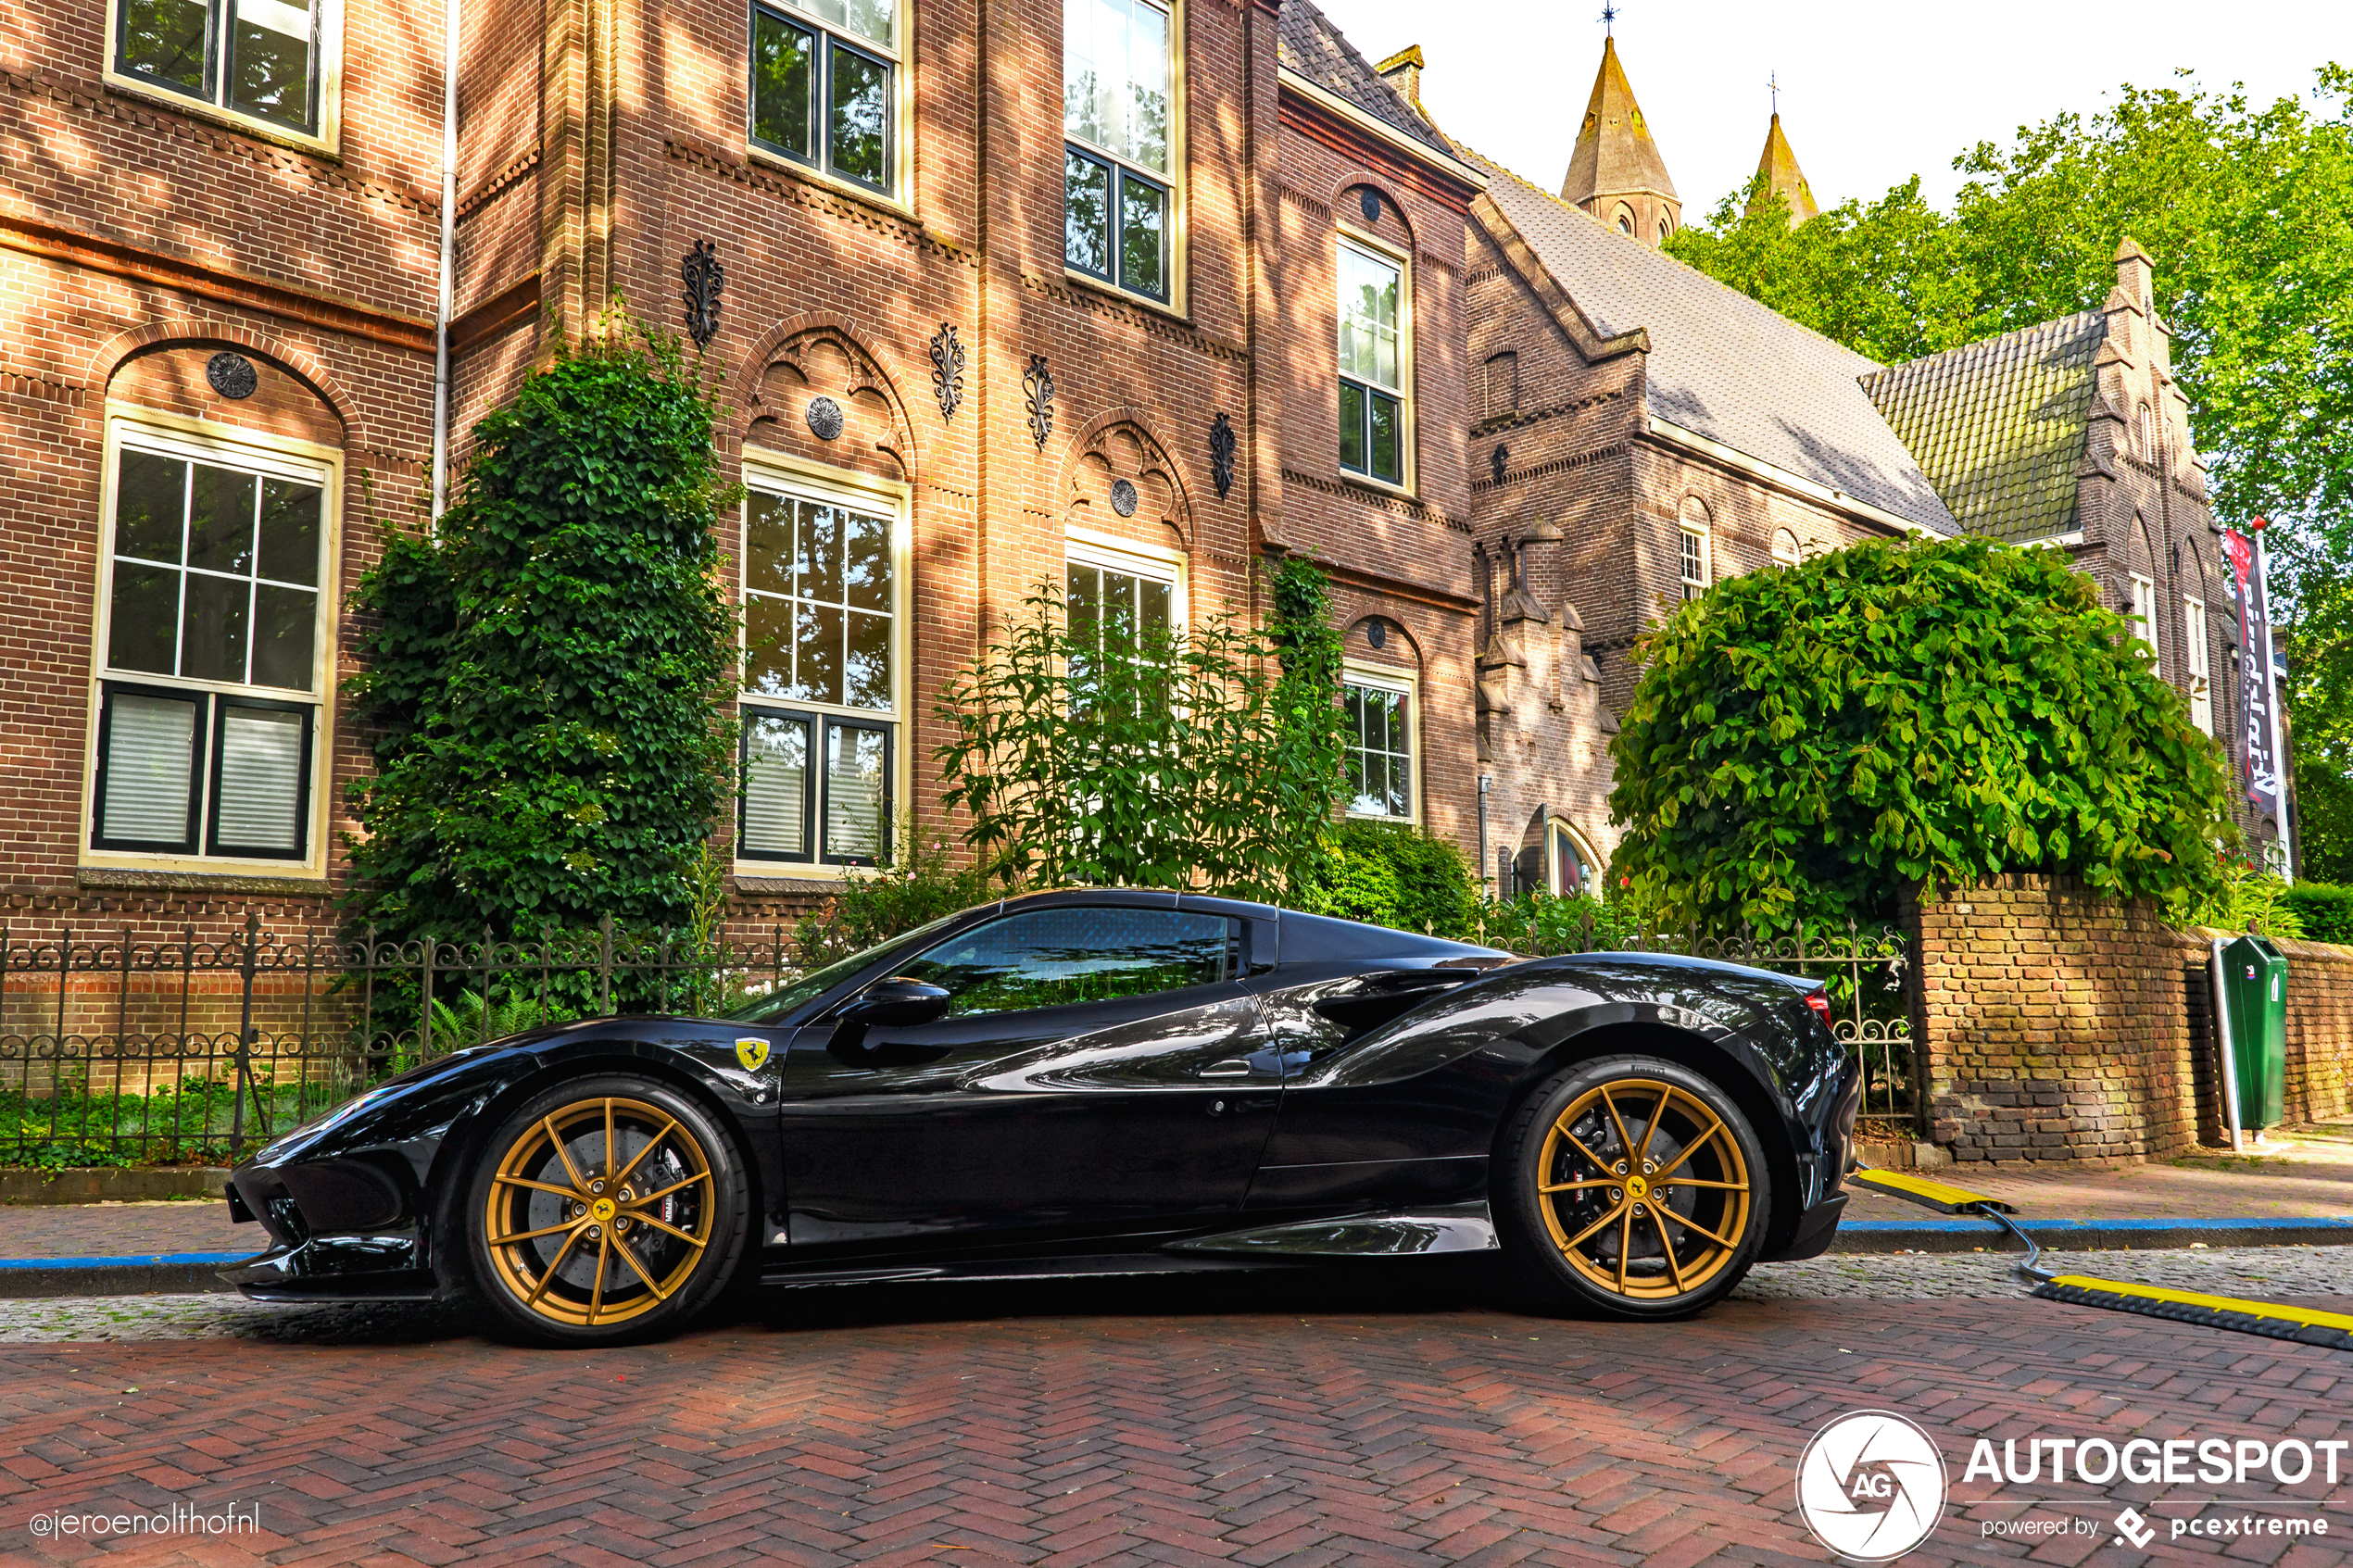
(1871, 93)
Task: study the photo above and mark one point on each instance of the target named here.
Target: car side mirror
(896, 1003)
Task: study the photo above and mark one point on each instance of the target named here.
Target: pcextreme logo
(1870, 1486)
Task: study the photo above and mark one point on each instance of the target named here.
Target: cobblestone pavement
(122, 1230)
(1349, 1419)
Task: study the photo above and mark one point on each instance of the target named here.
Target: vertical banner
(2258, 690)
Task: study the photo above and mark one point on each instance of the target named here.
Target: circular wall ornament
(231, 375)
(1368, 202)
(824, 418)
(1123, 498)
(1376, 634)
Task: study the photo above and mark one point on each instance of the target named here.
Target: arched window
(2148, 434)
(1664, 229)
(1625, 219)
(1786, 550)
(1692, 529)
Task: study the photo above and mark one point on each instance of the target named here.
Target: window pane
(259, 807)
(1050, 957)
(1352, 427)
(831, 11)
(212, 628)
(860, 118)
(270, 61)
(1385, 445)
(1368, 297)
(768, 546)
(220, 519)
(1079, 117)
(866, 560)
(817, 643)
(1143, 215)
(821, 529)
(285, 622)
(164, 40)
(784, 61)
(768, 645)
(1119, 607)
(854, 788)
(867, 682)
(871, 20)
(1084, 607)
(150, 503)
(1156, 609)
(775, 786)
(151, 749)
(289, 531)
(1108, 76)
(1148, 89)
(1087, 214)
(146, 615)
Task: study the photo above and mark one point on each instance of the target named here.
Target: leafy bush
(1539, 926)
(917, 884)
(2323, 909)
(2243, 898)
(1092, 751)
(1391, 874)
(464, 1024)
(1924, 711)
(546, 673)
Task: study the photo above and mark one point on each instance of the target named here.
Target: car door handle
(1232, 1067)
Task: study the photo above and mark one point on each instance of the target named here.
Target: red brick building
(1126, 296)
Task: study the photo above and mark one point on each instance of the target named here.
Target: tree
(1092, 750)
(546, 673)
(1805, 743)
(2247, 212)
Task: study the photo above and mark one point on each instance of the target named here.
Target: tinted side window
(1049, 958)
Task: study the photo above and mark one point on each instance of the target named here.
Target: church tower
(1616, 173)
(1778, 164)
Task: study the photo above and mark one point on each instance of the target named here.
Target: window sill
(302, 886)
(245, 125)
(1128, 296)
(774, 878)
(1379, 487)
(832, 184)
(1385, 822)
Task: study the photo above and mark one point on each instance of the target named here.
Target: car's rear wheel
(608, 1210)
(1631, 1186)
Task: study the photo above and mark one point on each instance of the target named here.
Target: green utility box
(2255, 992)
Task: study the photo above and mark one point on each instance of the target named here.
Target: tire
(583, 1242)
(1597, 1243)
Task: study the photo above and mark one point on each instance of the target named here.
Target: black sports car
(1091, 1082)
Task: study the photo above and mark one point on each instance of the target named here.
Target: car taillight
(1821, 1003)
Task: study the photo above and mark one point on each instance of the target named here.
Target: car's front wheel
(607, 1210)
(1631, 1186)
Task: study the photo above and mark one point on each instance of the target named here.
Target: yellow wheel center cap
(602, 1210)
(1637, 1187)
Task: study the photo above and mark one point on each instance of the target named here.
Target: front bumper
(340, 1230)
(1816, 1228)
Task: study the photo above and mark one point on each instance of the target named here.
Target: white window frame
(1403, 682)
(1687, 531)
(328, 135)
(1796, 552)
(2194, 641)
(1171, 179)
(275, 457)
(778, 473)
(1352, 238)
(1556, 828)
(2144, 616)
(899, 156)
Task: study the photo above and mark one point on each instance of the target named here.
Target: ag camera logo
(1870, 1486)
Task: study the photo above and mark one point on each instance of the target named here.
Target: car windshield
(770, 1005)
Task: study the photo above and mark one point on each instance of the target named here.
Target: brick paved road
(1279, 1423)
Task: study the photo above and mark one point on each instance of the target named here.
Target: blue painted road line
(148, 1259)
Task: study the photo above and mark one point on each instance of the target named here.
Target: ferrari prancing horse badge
(752, 1053)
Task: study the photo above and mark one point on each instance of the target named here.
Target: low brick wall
(2058, 1025)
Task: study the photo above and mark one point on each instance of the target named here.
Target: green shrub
(2244, 897)
(1803, 744)
(1391, 874)
(1539, 926)
(2324, 910)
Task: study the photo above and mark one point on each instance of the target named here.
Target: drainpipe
(2222, 1044)
(448, 247)
(1485, 782)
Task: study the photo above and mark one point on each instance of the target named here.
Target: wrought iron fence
(200, 1047)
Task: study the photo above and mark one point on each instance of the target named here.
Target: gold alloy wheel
(600, 1212)
(1644, 1189)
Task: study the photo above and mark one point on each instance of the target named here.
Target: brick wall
(2055, 1025)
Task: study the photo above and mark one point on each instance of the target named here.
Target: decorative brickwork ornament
(1376, 634)
(231, 375)
(1037, 396)
(947, 370)
(824, 418)
(1123, 498)
(1368, 203)
(704, 278)
(1221, 453)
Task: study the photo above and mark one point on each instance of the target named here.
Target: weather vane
(1609, 16)
(1773, 81)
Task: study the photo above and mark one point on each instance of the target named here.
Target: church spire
(1616, 173)
(1778, 165)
